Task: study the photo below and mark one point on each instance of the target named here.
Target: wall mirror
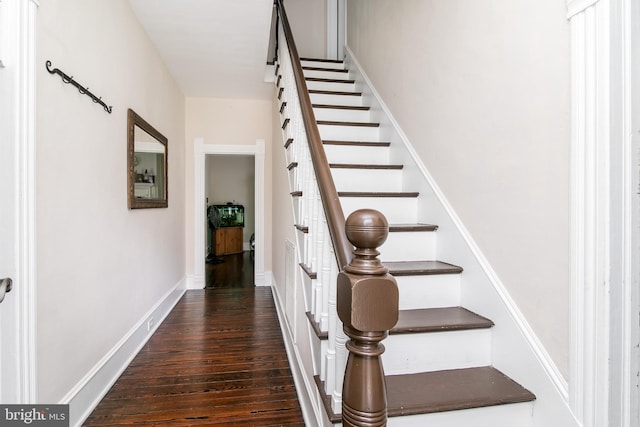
(146, 164)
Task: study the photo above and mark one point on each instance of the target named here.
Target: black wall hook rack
(82, 89)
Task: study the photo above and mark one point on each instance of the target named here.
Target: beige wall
(100, 267)
(481, 89)
(226, 122)
(308, 20)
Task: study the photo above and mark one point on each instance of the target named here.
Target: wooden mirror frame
(133, 121)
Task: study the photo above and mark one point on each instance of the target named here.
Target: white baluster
(325, 268)
(330, 382)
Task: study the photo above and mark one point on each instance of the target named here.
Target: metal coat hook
(83, 90)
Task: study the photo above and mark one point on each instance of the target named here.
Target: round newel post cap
(367, 228)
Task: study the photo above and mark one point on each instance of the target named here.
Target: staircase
(438, 358)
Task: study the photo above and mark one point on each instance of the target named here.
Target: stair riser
(325, 74)
(412, 353)
(341, 115)
(361, 154)
(319, 98)
(367, 179)
(338, 86)
(409, 246)
(439, 290)
(397, 210)
(322, 64)
(512, 415)
(349, 133)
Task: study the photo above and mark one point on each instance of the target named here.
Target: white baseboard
(195, 281)
(86, 395)
(264, 279)
(304, 388)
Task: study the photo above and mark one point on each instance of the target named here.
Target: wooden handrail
(330, 200)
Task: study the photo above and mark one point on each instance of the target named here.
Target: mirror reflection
(147, 165)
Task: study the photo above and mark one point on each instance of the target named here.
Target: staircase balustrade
(348, 282)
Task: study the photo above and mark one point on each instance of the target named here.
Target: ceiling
(212, 48)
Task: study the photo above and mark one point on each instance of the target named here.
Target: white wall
(481, 89)
(100, 267)
(226, 122)
(308, 20)
(232, 178)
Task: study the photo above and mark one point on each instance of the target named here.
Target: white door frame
(17, 53)
(199, 219)
(335, 29)
(604, 213)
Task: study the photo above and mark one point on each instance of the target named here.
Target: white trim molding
(201, 150)
(335, 29)
(604, 276)
(18, 55)
(306, 391)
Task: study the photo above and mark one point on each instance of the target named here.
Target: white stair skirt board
(397, 210)
(409, 246)
(347, 179)
(349, 133)
(309, 406)
(436, 351)
(342, 114)
(513, 415)
(321, 98)
(322, 64)
(363, 153)
(338, 86)
(436, 290)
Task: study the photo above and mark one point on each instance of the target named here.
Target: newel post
(367, 304)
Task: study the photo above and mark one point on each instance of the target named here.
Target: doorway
(230, 231)
(202, 150)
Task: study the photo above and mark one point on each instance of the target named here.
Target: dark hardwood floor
(235, 271)
(218, 359)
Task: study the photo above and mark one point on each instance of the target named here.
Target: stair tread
(342, 107)
(440, 391)
(332, 61)
(360, 143)
(454, 389)
(334, 92)
(412, 227)
(323, 80)
(378, 194)
(439, 319)
(341, 123)
(420, 268)
(334, 70)
(323, 335)
(310, 273)
(363, 166)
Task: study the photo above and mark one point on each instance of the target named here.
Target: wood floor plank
(218, 359)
